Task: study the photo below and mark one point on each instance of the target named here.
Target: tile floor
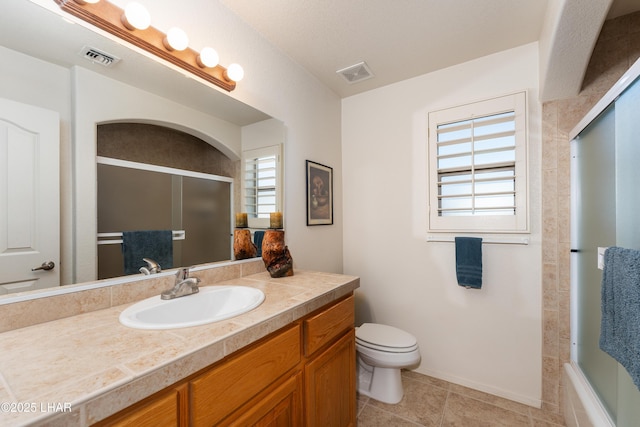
(432, 402)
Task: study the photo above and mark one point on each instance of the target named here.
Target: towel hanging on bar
(620, 323)
(154, 244)
(469, 262)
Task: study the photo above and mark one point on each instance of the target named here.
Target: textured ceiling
(397, 39)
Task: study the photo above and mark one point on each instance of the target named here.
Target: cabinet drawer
(322, 328)
(223, 389)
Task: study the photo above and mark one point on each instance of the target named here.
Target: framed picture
(319, 194)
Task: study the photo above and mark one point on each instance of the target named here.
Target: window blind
(476, 162)
(260, 180)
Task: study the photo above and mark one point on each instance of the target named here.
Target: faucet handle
(182, 274)
(151, 268)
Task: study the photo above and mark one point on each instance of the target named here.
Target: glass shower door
(606, 192)
(594, 214)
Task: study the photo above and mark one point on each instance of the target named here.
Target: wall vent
(99, 57)
(356, 73)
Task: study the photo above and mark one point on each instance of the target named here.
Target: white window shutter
(261, 183)
(478, 170)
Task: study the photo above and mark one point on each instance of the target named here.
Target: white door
(29, 197)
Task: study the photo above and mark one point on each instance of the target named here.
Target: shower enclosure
(196, 206)
(605, 212)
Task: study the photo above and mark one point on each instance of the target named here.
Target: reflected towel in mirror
(154, 244)
(257, 240)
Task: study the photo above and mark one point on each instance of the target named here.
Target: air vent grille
(99, 57)
(356, 73)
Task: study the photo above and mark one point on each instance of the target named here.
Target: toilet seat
(385, 338)
(382, 351)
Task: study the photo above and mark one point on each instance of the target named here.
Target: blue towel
(469, 262)
(257, 240)
(154, 244)
(620, 325)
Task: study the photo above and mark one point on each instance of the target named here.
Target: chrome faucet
(151, 268)
(184, 285)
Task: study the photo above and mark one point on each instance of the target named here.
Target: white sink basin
(211, 304)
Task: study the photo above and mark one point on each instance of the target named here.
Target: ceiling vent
(356, 73)
(99, 57)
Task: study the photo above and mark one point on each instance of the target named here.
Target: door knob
(45, 266)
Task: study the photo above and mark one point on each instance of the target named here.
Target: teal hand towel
(154, 244)
(620, 323)
(469, 262)
(257, 240)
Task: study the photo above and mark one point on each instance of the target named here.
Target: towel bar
(522, 241)
(107, 238)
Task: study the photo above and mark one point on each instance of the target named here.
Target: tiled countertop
(89, 366)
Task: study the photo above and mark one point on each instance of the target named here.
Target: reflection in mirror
(145, 192)
(42, 67)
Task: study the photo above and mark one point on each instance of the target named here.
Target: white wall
(488, 339)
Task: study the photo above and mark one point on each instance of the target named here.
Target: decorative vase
(275, 254)
(243, 247)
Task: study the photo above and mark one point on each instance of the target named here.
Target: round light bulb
(176, 39)
(235, 72)
(136, 17)
(208, 57)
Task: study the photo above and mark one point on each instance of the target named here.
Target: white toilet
(382, 352)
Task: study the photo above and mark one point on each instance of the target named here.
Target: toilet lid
(377, 335)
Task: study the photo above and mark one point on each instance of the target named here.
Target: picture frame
(319, 194)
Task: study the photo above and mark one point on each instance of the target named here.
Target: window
(478, 167)
(262, 177)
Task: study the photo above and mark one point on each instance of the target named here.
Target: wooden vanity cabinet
(302, 375)
(279, 406)
(168, 408)
(221, 391)
(330, 370)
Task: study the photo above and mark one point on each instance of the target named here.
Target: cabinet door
(167, 409)
(280, 408)
(228, 386)
(330, 385)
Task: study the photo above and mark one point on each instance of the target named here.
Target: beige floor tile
(546, 418)
(422, 403)
(461, 411)
(374, 417)
(361, 403)
(542, 423)
(430, 402)
(491, 399)
(426, 379)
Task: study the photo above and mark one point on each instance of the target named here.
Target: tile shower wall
(147, 143)
(617, 48)
(158, 145)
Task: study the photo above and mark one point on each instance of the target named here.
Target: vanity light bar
(108, 17)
